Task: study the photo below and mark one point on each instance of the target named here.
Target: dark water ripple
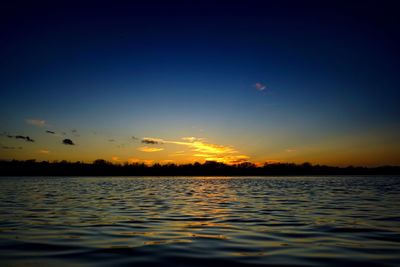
(285, 221)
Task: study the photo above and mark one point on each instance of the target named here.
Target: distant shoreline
(209, 168)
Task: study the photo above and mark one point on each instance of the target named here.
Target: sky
(187, 81)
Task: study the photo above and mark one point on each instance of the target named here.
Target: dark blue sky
(172, 70)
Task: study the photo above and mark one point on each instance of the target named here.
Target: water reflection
(200, 221)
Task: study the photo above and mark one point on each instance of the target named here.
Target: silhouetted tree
(103, 167)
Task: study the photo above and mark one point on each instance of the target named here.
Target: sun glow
(201, 149)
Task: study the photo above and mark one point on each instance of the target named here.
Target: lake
(198, 221)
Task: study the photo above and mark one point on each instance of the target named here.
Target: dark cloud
(50, 132)
(68, 142)
(111, 140)
(134, 138)
(26, 138)
(150, 141)
(74, 131)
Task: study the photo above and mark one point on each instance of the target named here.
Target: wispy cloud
(50, 132)
(208, 151)
(44, 151)
(177, 153)
(229, 159)
(26, 138)
(36, 122)
(260, 86)
(150, 149)
(68, 142)
(152, 141)
(190, 139)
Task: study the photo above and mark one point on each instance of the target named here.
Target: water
(197, 221)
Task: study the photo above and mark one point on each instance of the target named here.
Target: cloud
(44, 151)
(68, 142)
(150, 149)
(177, 153)
(289, 150)
(203, 155)
(208, 151)
(229, 159)
(134, 138)
(260, 86)
(36, 122)
(152, 141)
(26, 138)
(50, 132)
(190, 139)
(111, 140)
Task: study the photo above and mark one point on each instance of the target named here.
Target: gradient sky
(232, 81)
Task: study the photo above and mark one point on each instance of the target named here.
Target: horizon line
(248, 163)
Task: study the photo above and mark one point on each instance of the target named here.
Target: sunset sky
(233, 81)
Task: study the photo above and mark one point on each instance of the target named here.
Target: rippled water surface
(197, 221)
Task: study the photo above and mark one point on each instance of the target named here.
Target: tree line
(102, 167)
